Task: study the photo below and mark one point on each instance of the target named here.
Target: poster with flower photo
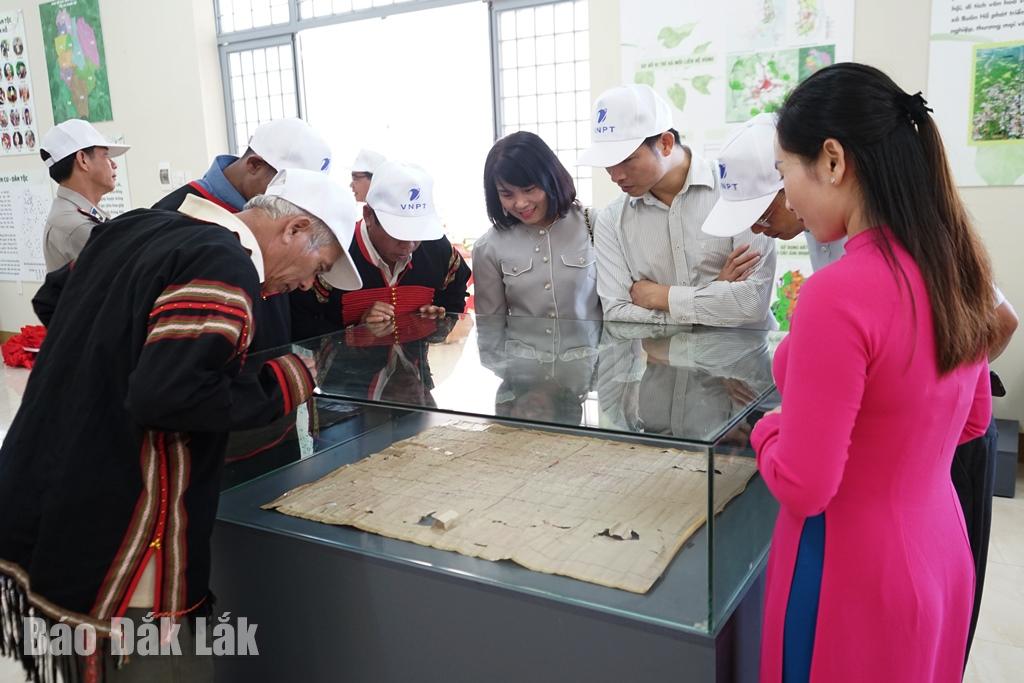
(18, 131)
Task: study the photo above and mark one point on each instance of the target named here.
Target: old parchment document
(606, 512)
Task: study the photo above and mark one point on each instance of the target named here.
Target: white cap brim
(610, 153)
(730, 218)
(112, 150)
(343, 274)
(411, 228)
(116, 150)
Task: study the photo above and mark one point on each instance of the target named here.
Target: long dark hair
(907, 185)
(524, 159)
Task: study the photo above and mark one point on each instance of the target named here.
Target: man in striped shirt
(654, 265)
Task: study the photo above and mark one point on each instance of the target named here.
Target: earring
(832, 180)
(504, 210)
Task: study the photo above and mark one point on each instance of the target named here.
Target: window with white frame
(543, 79)
(310, 9)
(242, 15)
(541, 65)
(262, 87)
(402, 111)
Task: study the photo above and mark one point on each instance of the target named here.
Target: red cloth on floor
(20, 350)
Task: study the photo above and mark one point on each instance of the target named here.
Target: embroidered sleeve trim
(192, 326)
(453, 268)
(322, 290)
(296, 382)
(206, 307)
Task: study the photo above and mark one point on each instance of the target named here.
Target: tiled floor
(998, 649)
(998, 653)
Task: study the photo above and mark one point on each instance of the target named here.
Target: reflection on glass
(384, 362)
(546, 366)
(686, 384)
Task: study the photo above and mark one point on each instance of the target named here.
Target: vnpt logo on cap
(721, 174)
(327, 162)
(602, 114)
(413, 205)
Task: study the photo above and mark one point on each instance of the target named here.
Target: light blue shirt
(824, 254)
(216, 184)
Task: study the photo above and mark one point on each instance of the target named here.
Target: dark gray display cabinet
(334, 603)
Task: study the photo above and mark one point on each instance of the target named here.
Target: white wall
(165, 95)
(892, 36)
(167, 101)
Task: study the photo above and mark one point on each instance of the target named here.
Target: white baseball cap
(623, 118)
(320, 196)
(68, 137)
(402, 196)
(367, 161)
(291, 143)
(747, 178)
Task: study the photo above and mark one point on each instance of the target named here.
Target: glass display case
(697, 390)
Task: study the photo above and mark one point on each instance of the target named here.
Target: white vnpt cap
(320, 196)
(747, 178)
(367, 161)
(291, 143)
(402, 196)
(66, 138)
(623, 118)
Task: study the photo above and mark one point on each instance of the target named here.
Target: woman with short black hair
(538, 258)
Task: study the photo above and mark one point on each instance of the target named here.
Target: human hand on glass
(432, 312)
(383, 328)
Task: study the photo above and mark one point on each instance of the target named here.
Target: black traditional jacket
(116, 453)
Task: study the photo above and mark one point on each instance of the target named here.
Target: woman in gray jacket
(538, 258)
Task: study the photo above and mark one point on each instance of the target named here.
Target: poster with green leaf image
(75, 61)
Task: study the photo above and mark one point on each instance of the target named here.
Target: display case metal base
(325, 614)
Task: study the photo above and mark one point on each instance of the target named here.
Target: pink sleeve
(802, 453)
(980, 415)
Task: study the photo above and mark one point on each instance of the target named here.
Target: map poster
(18, 131)
(976, 87)
(25, 200)
(76, 65)
(792, 268)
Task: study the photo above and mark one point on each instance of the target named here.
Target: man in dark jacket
(109, 474)
(232, 181)
(405, 261)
